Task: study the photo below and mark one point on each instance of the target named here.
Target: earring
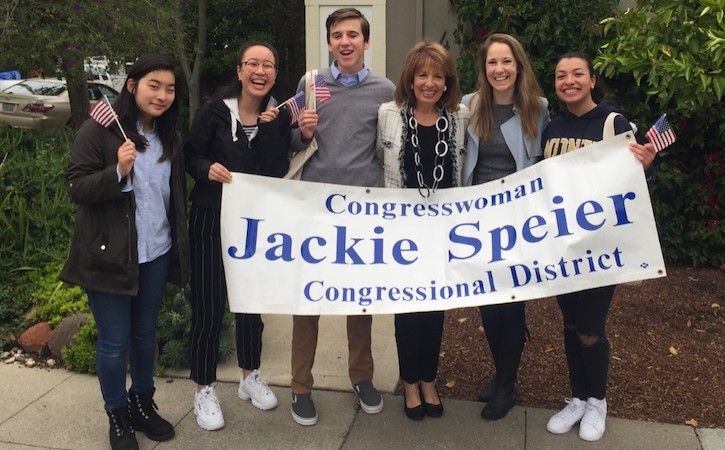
(445, 88)
(411, 86)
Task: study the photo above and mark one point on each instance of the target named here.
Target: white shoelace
(572, 409)
(209, 403)
(257, 384)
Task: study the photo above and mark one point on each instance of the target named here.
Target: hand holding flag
(661, 134)
(295, 105)
(103, 113)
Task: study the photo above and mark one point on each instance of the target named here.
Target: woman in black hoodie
(586, 119)
(240, 131)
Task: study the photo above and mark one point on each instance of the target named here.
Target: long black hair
(127, 109)
(234, 89)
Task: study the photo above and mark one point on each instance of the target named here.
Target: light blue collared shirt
(348, 80)
(152, 189)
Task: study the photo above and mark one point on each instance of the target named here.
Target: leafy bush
(174, 331)
(36, 217)
(669, 56)
(81, 356)
(55, 300)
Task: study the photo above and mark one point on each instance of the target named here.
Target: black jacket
(104, 254)
(211, 140)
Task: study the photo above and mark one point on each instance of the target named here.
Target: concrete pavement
(57, 409)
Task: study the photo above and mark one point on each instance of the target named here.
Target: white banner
(573, 222)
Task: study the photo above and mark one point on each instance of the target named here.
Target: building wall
(408, 21)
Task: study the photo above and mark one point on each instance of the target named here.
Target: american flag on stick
(103, 113)
(295, 105)
(661, 134)
(322, 92)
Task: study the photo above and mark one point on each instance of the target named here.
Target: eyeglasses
(253, 65)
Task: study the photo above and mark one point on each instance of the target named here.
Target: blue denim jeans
(128, 325)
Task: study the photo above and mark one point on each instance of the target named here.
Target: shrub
(81, 355)
(55, 300)
(668, 56)
(174, 331)
(36, 216)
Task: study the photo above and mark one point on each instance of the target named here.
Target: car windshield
(36, 87)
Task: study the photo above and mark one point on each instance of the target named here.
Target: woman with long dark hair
(130, 239)
(586, 118)
(238, 131)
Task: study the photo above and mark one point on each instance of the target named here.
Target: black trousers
(585, 313)
(505, 328)
(209, 302)
(418, 337)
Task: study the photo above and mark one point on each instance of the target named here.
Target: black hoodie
(214, 137)
(567, 132)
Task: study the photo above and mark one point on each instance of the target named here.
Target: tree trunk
(192, 74)
(75, 78)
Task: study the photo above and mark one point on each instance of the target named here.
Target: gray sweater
(346, 132)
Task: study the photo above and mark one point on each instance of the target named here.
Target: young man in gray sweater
(345, 129)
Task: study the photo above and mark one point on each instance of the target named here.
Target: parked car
(41, 104)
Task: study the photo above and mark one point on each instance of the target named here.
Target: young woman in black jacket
(239, 131)
(130, 238)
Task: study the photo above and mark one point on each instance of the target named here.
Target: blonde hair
(422, 54)
(526, 90)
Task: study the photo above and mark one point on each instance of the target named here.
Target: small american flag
(295, 105)
(103, 113)
(661, 134)
(322, 92)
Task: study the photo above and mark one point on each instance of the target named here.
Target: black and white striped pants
(209, 300)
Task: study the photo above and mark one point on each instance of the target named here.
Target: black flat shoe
(433, 410)
(414, 413)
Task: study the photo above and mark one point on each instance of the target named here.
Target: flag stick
(115, 116)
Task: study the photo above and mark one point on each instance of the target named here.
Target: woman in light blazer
(420, 140)
(508, 116)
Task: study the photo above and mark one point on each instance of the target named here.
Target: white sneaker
(595, 415)
(254, 388)
(207, 409)
(572, 413)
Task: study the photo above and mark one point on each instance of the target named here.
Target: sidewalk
(57, 409)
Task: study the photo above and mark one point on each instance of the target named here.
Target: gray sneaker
(370, 399)
(303, 409)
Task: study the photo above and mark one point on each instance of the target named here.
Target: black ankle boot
(487, 392)
(121, 433)
(507, 365)
(499, 405)
(145, 419)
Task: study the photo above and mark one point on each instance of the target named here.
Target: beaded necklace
(441, 150)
